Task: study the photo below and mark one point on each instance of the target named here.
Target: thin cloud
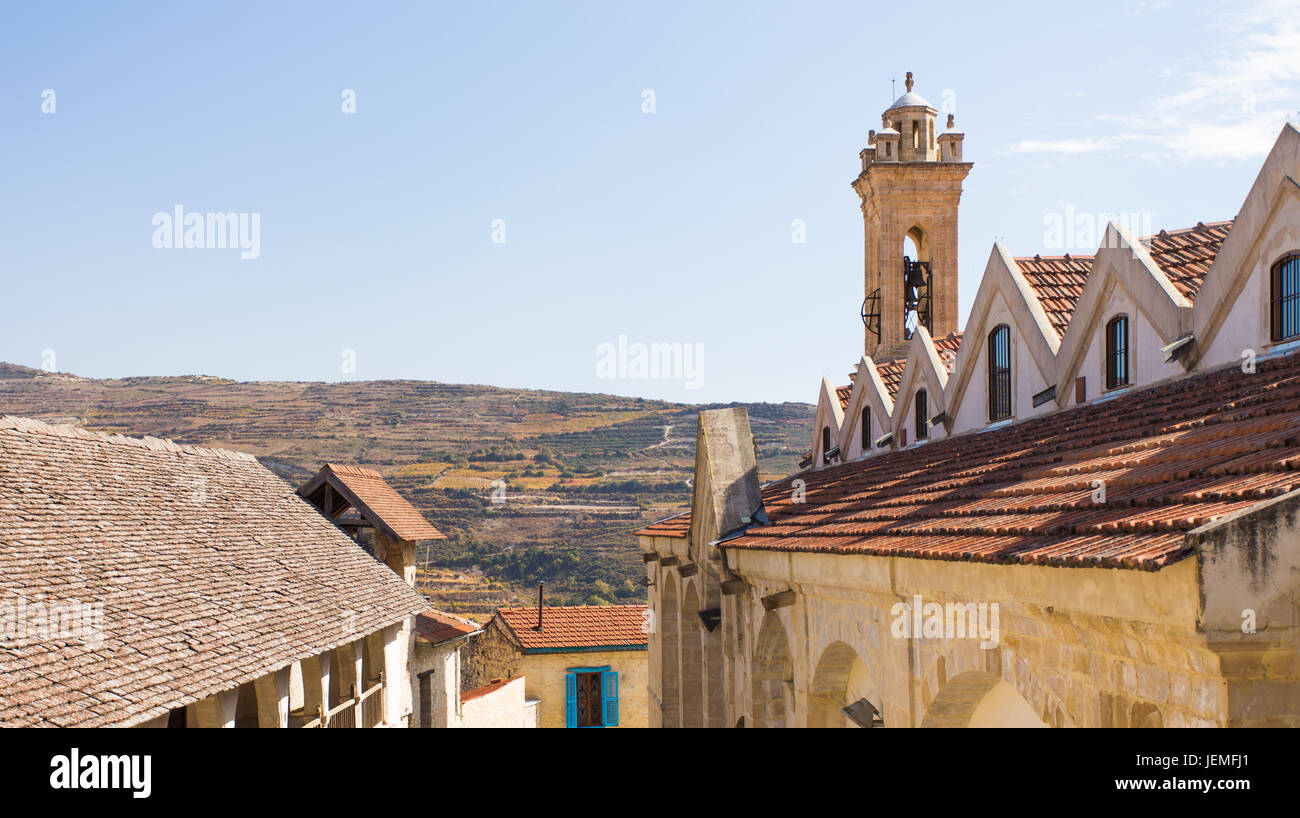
(1230, 106)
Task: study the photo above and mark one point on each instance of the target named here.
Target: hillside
(574, 474)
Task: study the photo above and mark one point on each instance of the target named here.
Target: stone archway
(670, 661)
(977, 699)
(772, 676)
(692, 648)
(840, 679)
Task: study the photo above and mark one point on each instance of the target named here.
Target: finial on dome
(952, 122)
(908, 82)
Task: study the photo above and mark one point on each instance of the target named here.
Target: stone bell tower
(910, 186)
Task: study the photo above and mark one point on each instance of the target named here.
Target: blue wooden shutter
(609, 686)
(570, 700)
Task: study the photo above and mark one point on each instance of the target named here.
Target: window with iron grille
(1285, 299)
(922, 416)
(1000, 373)
(1117, 352)
(866, 430)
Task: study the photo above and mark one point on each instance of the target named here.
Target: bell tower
(910, 186)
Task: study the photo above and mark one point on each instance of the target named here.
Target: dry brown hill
(580, 471)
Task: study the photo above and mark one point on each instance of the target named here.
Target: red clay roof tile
(1171, 457)
(578, 626)
(1183, 255)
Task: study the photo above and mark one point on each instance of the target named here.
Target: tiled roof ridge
(517, 608)
(159, 444)
(354, 471)
(490, 687)
(1144, 239)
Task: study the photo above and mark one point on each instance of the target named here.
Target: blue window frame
(591, 697)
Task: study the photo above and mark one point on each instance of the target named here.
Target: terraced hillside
(528, 485)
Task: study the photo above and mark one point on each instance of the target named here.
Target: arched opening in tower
(916, 282)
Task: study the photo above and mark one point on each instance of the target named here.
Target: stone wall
(1075, 646)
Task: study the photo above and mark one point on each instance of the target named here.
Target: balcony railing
(369, 705)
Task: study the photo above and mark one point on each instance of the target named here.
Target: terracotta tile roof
(1058, 282)
(891, 372)
(1172, 457)
(490, 687)
(436, 627)
(209, 569)
(1183, 255)
(380, 504)
(844, 393)
(578, 626)
(677, 526)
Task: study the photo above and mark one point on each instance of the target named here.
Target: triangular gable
(1122, 261)
(1003, 277)
(829, 413)
(868, 390)
(1245, 250)
(923, 367)
(335, 487)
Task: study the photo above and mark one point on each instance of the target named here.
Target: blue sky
(376, 227)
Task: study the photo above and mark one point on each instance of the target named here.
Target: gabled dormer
(867, 418)
(830, 417)
(1008, 352)
(1129, 311)
(920, 410)
(1249, 301)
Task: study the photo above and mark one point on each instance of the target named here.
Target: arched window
(922, 416)
(1000, 373)
(1117, 352)
(1285, 299)
(866, 430)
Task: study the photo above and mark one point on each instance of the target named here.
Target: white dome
(909, 99)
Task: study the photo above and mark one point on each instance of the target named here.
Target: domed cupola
(913, 116)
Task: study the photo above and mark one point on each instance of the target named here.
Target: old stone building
(1080, 511)
(146, 583)
(583, 666)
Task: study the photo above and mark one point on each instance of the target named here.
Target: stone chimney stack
(726, 495)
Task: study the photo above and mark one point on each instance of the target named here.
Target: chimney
(726, 471)
(540, 585)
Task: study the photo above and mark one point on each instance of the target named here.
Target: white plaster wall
(1146, 363)
(502, 708)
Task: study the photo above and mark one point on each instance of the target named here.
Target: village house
(360, 501)
(146, 583)
(582, 665)
(1082, 510)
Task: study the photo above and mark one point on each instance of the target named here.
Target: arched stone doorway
(670, 660)
(772, 676)
(840, 679)
(980, 700)
(692, 647)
